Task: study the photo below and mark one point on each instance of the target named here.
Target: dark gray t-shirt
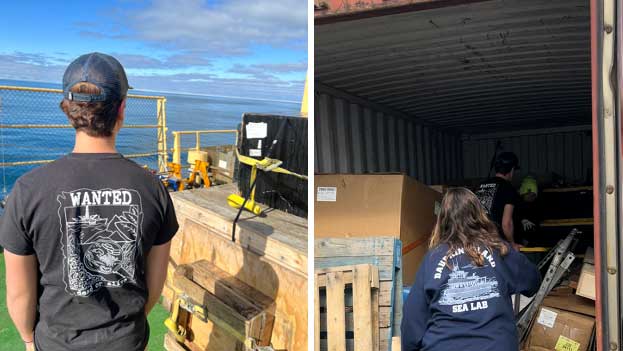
(91, 220)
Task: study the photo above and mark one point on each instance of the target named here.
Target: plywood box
(269, 255)
(373, 205)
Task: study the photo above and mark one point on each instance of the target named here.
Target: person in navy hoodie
(461, 298)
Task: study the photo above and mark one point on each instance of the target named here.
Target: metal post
(197, 141)
(162, 135)
(177, 148)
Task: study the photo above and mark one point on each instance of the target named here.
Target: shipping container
(433, 89)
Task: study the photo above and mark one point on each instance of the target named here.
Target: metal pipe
(63, 126)
(215, 131)
(59, 91)
(40, 162)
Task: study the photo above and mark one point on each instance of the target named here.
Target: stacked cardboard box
(372, 205)
(556, 329)
(563, 322)
(566, 320)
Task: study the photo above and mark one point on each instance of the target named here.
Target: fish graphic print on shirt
(486, 195)
(100, 236)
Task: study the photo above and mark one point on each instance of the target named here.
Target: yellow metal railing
(160, 126)
(177, 140)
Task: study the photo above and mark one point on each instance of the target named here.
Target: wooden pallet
(269, 255)
(383, 253)
(347, 302)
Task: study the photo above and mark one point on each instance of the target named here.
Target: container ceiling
(476, 68)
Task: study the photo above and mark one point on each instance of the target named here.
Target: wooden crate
(225, 301)
(347, 306)
(269, 255)
(383, 253)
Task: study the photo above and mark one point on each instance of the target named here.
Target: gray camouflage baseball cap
(99, 69)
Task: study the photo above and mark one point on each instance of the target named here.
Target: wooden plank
(170, 344)
(396, 346)
(348, 274)
(385, 293)
(569, 222)
(382, 315)
(278, 236)
(384, 263)
(254, 307)
(340, 247)
(223, 315)
(336, 333)
(396, 312)
(362, 307)
(316, 316)
(565, 190)
(385, 338)
(375, 320)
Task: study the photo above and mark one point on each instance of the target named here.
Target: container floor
(10, 339)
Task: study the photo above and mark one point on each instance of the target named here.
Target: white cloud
(39, 67)
(230, 28)
(183, 60)
(268, 71)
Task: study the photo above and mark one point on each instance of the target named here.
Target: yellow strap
(253, 162)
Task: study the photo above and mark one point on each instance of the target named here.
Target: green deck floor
(10, 340)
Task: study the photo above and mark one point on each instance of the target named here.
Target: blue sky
(249, 48)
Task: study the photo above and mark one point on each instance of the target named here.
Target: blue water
(183, 112)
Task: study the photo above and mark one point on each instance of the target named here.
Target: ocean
(183, 112)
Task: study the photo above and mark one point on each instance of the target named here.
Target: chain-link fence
(34, 130)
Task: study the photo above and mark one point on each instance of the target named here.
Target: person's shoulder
(141, 172)
(489, 182)
(437, 252)
(40, 175)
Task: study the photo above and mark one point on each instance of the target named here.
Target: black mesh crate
(279, 191)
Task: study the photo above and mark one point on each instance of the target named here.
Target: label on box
(257, 130)
(326, 193)
(566, 344)
(547, 318)
(255, 152)
(222, 164)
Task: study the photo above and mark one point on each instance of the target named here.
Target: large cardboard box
(571, 303)
(555, 329)
(348, 205)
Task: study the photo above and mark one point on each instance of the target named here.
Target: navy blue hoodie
(455, 305)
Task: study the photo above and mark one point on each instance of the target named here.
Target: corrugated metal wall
(566, 152)
(352, 136)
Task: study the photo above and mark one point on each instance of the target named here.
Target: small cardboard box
(555, 329)
(368, 205)
(586, 283)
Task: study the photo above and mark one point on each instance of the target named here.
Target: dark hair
(97, 119)
(463, 223)
(503, 168)
(505, 162)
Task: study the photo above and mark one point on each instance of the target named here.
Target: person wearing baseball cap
(87, 237)
(498, 196)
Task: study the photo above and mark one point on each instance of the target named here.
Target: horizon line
(175, 92)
